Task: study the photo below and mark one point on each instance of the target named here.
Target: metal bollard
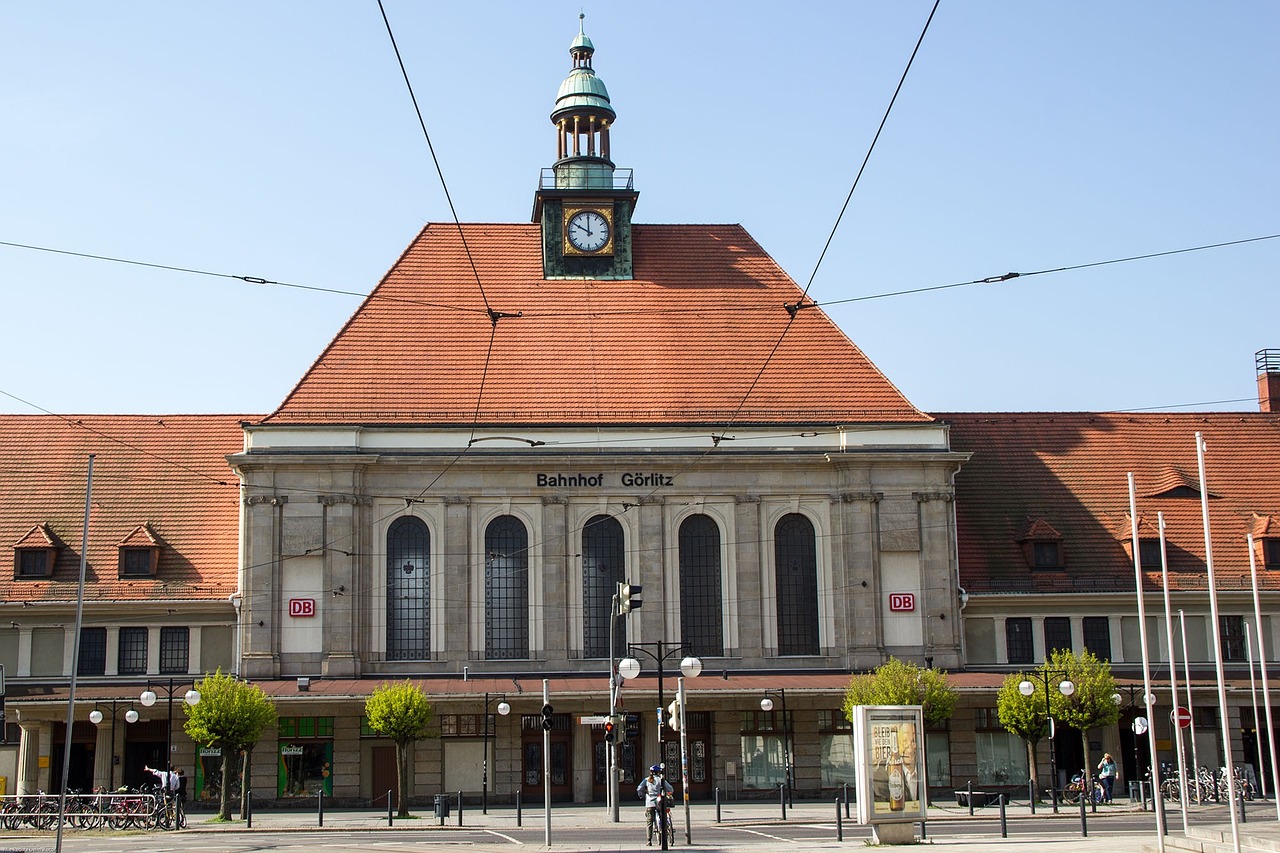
(782, 795)
(839, 822)
(717, 805)
(1031, 793)
(1004, 826)
(1241, 793)
(968, 793)
(248, 809)
(519, 813)
(1142, 791)
(390, 818)
(846, 799)
(459, 808)
(924, 831)
(320, 807)
(1084, 819)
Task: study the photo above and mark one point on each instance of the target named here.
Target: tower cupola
(582, 116)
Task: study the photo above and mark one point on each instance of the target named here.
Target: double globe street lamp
(96, 717)
(1067, 688)
(148, 698)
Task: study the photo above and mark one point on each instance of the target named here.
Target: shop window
(208, 781)
(1002, 759)
(93, 652)
(175, 650)
(132, 655)
(603, 568)
(701, 603)
(1057, 634)
(937, 751)
(796, 584)
(762, 745)
(306, 757)
(408, 590)
(1097, 636)
(835, 737)
(1018, 643)
(506, 589)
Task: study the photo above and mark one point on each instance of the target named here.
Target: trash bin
(442, 806)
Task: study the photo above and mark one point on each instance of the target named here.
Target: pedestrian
(654, 789)
(1107, 775)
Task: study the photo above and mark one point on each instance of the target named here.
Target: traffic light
(673, 715)
(629, 597)
(610, 730)
(547, 711)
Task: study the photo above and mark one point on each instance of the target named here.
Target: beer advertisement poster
(891, 769)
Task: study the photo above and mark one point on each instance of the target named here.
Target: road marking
(761, 834)
(504, 837)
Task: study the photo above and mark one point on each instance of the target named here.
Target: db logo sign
(899, 601)
(302, 607)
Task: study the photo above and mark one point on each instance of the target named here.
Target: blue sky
(277, 140)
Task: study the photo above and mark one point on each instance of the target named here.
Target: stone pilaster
(749, 576)
(455, 584)
(554, 589)
(261, 587)
(651, 572)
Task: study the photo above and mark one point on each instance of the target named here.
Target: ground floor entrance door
(533, 777)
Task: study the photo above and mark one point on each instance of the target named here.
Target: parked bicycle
(1083, 785)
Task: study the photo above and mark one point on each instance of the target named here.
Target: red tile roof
(167, 471)
(1069, 469)
(683, 343)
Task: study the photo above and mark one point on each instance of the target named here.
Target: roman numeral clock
(583, 203)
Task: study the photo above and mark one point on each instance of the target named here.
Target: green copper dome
(582, 92)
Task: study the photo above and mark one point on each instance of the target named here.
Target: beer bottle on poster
(897, 784)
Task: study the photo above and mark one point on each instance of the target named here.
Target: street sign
(1181, 716)
(593, 719)
(1139, 725)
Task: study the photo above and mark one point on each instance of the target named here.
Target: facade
(519, 418)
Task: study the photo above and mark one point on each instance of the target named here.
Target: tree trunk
(246, 763)
(402, 777)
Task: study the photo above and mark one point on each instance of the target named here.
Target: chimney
(1268, 363)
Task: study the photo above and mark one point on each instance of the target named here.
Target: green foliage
(231, 713)
(1024, 716)
(897, 682)
(399, 712)
(1091, 705)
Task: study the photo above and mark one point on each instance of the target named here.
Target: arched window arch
(701, 604)
(795, 566)
(603, 568)
(408, 590)
(506, 589)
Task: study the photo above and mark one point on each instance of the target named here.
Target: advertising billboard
(889, 744)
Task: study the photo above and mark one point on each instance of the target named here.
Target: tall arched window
(506, 589)
(408, 590)
(701, 612)
(603, 568)
(795, 565)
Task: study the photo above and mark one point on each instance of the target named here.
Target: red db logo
(302, 607)
(899, 601)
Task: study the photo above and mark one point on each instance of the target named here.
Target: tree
(897, 682)
(231, 716)
(399, 712)
(1089, 706)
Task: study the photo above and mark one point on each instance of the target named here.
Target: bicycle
(1080, 784)
(662, 817)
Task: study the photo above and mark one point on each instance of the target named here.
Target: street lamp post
(503, 709)
(659, 652)
(1137, 735)
(766, 704)
(1066, 687)
(96, 717)
(148, 698)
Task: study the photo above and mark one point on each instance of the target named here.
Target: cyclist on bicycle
(653, 788)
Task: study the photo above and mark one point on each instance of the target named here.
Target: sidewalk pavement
(979, 832)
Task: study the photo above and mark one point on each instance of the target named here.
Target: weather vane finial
(581, 16)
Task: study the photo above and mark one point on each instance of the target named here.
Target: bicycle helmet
(655, 769)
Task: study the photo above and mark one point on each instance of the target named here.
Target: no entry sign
(1181, 716)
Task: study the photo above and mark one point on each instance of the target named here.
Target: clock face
(588, 231)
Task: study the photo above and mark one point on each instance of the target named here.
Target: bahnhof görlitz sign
(630, 479)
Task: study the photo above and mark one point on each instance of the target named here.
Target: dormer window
(1271, 553)
(1149, 553)
(1042, 546)
(35, 554)
(139, 554)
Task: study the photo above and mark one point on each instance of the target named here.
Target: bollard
(459, 808)
(390, 818)
(1093, 795)
(782, 796)
(320, 807)
(846, 800)
(1031, 793)
(1241, 794)
(924, 833)
(519, 813)
(717, 805)
(968, 794)
(839, 822)
(1084, 819)
(248, 809)
(1004, 826)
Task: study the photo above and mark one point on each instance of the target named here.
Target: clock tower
(583, 203)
